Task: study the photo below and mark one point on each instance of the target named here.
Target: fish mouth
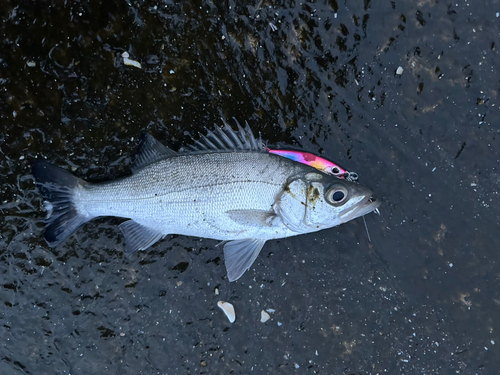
(365, 206)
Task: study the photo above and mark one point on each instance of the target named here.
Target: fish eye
(335, 170)
(336, 195)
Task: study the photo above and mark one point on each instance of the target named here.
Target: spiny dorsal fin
(227, 139)
(149, 151)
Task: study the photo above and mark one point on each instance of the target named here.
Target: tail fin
(57, 188)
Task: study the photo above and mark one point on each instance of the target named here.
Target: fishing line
(366, 227)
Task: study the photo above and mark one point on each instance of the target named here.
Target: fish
(226, 186)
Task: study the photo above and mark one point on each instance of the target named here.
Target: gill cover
(302, 206)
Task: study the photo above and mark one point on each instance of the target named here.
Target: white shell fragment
(129, 62)
(264, 316)
(228, 310)
(399, 70)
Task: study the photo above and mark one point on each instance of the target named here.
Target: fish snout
(363, 203)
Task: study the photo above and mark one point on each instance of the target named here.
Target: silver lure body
(227, 187)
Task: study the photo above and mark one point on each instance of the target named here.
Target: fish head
(318, 201)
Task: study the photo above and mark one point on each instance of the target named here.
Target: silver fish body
(230, 191)
(196, 195)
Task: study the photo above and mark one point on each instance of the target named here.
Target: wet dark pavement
(422, 297)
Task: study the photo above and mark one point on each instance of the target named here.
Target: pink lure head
(314, 161)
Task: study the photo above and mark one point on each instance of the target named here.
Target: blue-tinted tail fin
(57, 187)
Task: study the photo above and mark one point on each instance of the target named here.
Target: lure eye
(337, 195)
(335, 170)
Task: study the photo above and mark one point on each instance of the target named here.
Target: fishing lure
(321, 164)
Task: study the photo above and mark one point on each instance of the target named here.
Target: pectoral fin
(254, 218)
(138, 237)
(239, 256)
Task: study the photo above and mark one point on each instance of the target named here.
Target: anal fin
(138, 237)
(239, 256)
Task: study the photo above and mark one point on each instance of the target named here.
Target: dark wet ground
(422, 298)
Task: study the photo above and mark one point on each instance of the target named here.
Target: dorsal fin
(233, 136)
(227, 139)
(149, 151)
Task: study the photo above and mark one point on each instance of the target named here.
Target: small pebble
(399, 71)
(228, 310)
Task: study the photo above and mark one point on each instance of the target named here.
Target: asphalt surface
(421, 298)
